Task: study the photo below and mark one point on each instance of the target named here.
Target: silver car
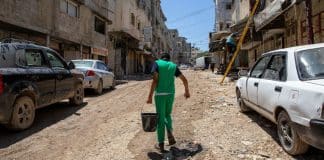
(97, 74)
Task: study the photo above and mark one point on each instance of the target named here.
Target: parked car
(97, 74)
(33, 76)
(183, 67)
(287, 87)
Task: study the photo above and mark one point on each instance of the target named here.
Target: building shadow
(177, 153)
(270, 128)
(139, 77)
(44, 118)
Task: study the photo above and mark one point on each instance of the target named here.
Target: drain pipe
(309, 22)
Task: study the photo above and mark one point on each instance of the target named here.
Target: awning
(219, 35)
(271, 12)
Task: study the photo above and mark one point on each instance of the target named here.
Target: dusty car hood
(317, 82)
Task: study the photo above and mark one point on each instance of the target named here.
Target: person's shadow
(177, 153)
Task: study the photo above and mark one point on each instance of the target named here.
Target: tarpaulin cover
(273, 10)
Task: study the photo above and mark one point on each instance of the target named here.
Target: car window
(310, 63)
(101, 66)
(54, 60)
(80, 64)
(259, 67)
(34, 58)
(276, 70)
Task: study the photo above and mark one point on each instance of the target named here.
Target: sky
(194, 19)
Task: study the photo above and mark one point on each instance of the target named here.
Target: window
(69, 8)
(139, 25)
(100, 26)
(221, 26)
(227, 25)
(228, 6)
(54, 60)
(132, 19)
(34, 58)
(80, 64)
(101, 66)
(72, 10)
(276, 69)
(259, 67)
(310, 63)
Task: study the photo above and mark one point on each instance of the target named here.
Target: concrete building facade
(75, 29)
(223, 11)
(278, 24)
(126, 34)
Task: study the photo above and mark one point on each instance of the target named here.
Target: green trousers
(163, 104)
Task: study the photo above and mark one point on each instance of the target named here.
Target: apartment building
(126, 34)
(74, 28)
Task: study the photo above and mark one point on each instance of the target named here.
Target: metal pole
(241, 40)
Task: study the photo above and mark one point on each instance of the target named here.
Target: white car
(287, 87)
(97, 74)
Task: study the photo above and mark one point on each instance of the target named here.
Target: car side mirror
(110, 70)
(71, 65)
(243, 73)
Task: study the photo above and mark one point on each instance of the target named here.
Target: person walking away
(164, 73)
(212, 67)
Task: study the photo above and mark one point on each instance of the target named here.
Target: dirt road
(109, 127)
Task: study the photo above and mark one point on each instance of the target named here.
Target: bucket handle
(142, 108)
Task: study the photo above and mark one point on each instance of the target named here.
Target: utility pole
(309, 22)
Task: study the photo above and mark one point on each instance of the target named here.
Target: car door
(41, 74)
(254, 79)
(64, 81)
(272, 82)
(104, 73)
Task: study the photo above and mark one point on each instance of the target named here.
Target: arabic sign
(99, 51)
(148, 34)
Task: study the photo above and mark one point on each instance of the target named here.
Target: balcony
(99, 7)
(272, 14)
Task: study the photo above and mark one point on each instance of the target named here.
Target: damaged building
(74, 28)
(277, 24)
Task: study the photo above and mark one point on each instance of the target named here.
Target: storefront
(99, 54)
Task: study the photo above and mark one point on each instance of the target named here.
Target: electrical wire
(194, 13)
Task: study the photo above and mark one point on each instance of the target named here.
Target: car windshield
(81, 64)
(311, 63)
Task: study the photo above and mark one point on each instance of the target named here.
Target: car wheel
(77, 99)
(289, 139)
(23, 114)
(99, 88)
(243, 107)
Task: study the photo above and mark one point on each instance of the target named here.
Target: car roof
(297, 48)
(93, 60)
(17, 46)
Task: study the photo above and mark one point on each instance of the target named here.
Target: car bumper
(90, 82)
(313, 135)
(6, 103)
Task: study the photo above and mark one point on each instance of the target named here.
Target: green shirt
(166, 71)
